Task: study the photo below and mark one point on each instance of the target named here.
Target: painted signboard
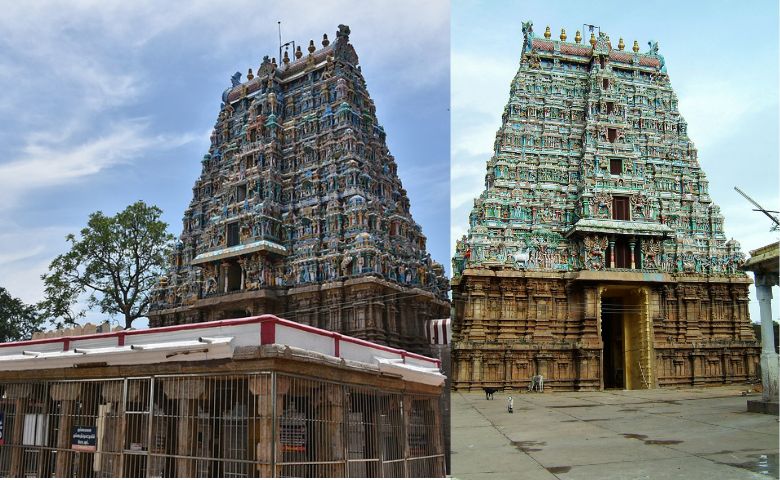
(84, 439)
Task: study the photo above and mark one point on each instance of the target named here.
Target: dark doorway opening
(234, 277)
(620, 206)
(612, 335)
(615, 166)
(622, 254)
(232, 234)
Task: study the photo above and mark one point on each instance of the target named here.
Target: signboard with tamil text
(84, 439)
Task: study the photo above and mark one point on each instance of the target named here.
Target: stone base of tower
(624, 330)
(369, 308)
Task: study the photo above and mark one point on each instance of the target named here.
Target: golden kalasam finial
(636, 47)
(286, 58)
(250, 75)
(592, 39)
(325, 41)
(273, 62)
(547, 33)
(312, 48)
(621, 45)
(563, 34)
(298, 52)
(578, 37)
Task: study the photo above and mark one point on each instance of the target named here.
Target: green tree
(116, 261)
(18, 321)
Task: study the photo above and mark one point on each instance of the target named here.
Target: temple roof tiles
(579, 50)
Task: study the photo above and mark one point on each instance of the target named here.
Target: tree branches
(115, 260)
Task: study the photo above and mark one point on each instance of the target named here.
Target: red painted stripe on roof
(267, 333)
(267, 330)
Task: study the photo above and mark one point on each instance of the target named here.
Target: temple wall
(370, 309)
(507, 329)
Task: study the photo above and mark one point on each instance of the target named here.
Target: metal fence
(242, 425)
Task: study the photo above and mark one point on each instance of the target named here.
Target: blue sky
(722, 59)
(108, 102)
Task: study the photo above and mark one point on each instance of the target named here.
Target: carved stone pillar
(697, 367)
(632, 246)
(542, 361)
(611, 253)
(187, 392)
(66, 394)
(769, 359)
(476, 368)
(331, 416)
(20, 395)
(507, 363)
(223, 267)
(261, 429)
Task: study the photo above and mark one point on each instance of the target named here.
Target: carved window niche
(611, 135)
(620, 208)
(616, 166)
(622, 254)
(240, 193)
(232, 234)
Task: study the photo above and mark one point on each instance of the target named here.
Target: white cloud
(47, 164)
(480, 89)
(26, 253)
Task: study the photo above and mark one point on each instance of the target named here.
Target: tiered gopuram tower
(595, 256)
(299, 211)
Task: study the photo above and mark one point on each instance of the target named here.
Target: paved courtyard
(639, 434)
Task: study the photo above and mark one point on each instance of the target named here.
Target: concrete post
(769, 359)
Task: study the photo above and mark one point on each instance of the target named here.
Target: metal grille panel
(242, 425)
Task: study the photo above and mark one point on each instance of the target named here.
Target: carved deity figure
(595, 246)
(602, 205)
(651, 250)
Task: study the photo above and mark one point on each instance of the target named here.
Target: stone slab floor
(641, 434)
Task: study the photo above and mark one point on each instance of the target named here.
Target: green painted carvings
(593, 149)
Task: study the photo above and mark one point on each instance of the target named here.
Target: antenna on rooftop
(591, 27)
(291, 42)
(761, 209)
(279, 24)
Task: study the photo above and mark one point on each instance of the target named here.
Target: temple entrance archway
(625, 328)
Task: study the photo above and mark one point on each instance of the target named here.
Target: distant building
(299, 211)
(250, 397)
(595, 256)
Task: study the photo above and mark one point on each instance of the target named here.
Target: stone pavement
(640, 434)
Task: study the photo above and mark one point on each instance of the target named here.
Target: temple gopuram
(299, 211)
(595, 256)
